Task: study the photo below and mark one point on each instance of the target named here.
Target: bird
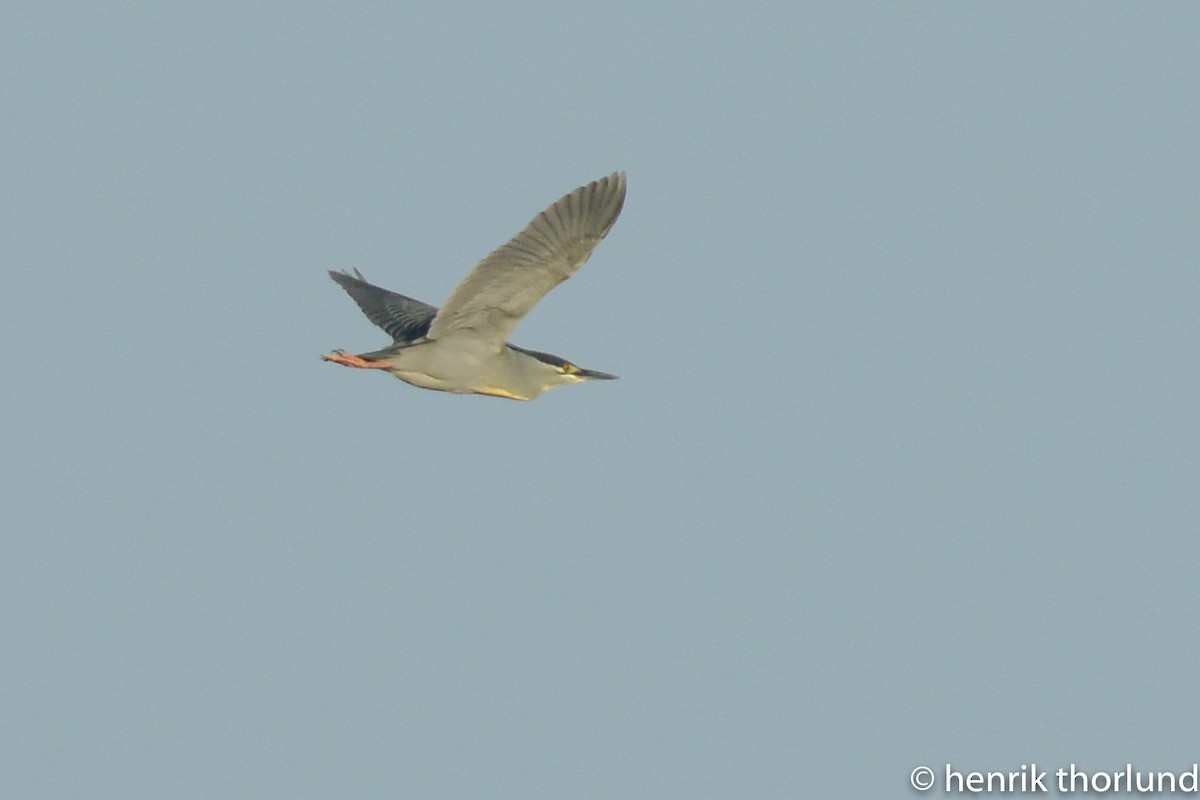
(463, 347)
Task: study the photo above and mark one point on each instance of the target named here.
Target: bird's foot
(348, 360)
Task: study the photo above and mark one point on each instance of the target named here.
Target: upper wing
(403, 318)
(505, 285)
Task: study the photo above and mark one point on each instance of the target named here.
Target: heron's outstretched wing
(404, 319)
(504, 286)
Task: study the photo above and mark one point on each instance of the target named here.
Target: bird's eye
(570, 369)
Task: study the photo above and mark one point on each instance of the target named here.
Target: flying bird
(463, 347)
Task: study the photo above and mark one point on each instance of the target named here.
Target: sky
(900, 470)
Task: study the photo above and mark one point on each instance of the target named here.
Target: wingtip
(617, 179)
(341, 276)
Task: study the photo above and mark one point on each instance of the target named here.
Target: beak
(592, 374)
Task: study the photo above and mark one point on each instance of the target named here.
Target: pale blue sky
(901, 468)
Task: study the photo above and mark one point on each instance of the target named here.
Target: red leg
(347, 360)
